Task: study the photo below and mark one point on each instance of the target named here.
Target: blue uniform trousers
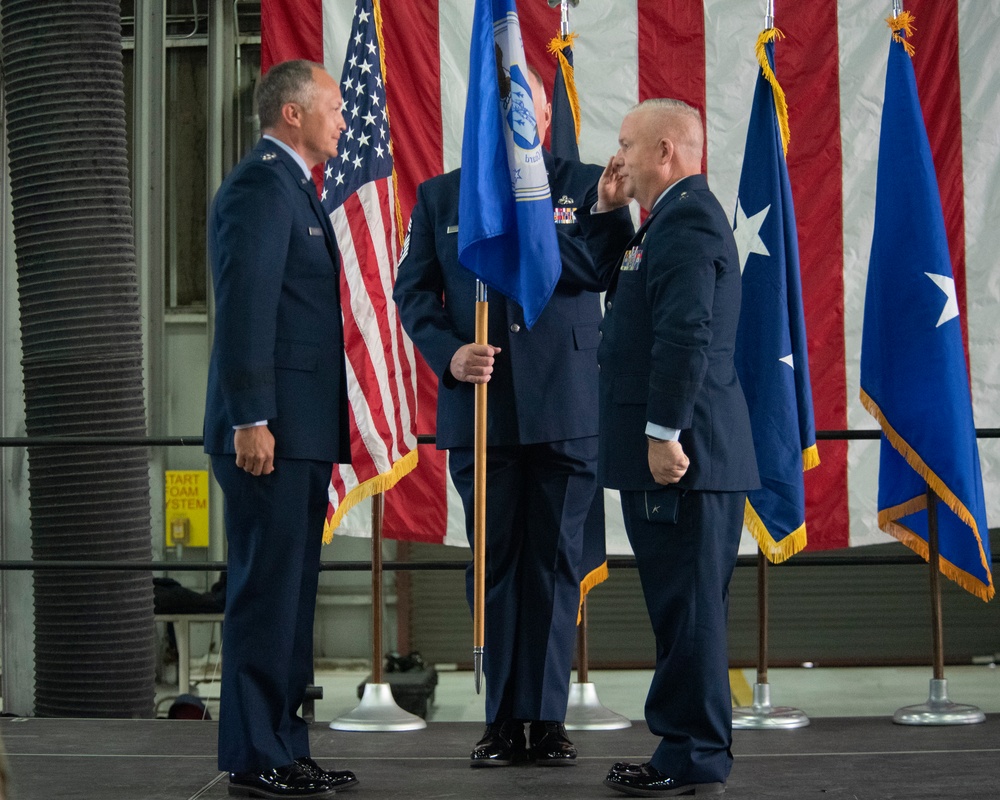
(274, 527)
(537, 500)
(685, 568)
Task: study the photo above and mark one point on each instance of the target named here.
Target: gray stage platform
(834, 759)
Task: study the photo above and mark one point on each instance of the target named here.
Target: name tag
(452, 229)
(315, 231)
(632, 259)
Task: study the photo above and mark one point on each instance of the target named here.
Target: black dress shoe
(502, 745)
(550, 746)
(338, 779)
(281, 782)
(645, 780)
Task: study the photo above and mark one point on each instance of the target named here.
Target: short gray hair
(680, 111)
(287, 82)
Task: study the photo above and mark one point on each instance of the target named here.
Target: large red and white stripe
(832, 67)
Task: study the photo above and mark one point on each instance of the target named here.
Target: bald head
(661, 142)
(663, 118)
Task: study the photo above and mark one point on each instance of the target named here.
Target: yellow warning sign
(187, 507)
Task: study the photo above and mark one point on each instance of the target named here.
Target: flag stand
(762, 715)
(479, 494)
(584, 711)
(378, 710)
(938, 710)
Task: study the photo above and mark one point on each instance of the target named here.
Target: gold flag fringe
(887, 517)
(594, 577)
(810, 458)
(780, 104)
(904, 23)
(382, 482)
(775, 552)
(400, 233)
(556, 47)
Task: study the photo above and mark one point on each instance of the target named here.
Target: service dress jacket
(278, 353)
(668, 336)
(544, 383)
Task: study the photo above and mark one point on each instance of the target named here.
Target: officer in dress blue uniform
(541, 446)
(675, 433)
(275, 422)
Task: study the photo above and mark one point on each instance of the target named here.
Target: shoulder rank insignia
(566, 201)
(268, 156)
(563, 215)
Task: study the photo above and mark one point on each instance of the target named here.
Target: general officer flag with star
(771, 357)
(506, 231)
(913, 372)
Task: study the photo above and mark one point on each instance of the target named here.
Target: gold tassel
(594, 577)
(556, 47)
(400, 232)
(887, 517)
(380, 483)
(904, 23)
(810, 458)
(775, 552)
(780, 104)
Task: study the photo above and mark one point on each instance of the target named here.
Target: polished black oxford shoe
(338, 779)
(281, 782)
(645, 780)
(550, 746)
(502, 745)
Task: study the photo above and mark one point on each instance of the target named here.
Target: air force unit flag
(771, 358)
(913, 373)
(506, 232)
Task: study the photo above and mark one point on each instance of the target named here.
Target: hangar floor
(840, 758)
(851, 751)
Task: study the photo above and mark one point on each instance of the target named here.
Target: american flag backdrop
(357, 191)
(832, 66)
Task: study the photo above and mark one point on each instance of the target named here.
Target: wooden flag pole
(378, 507)
(582, 655)
(762, 613)
(479, 484)
(934, 560)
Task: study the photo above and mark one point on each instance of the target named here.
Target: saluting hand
(473, 363)
(255, 450)
(611, 188)
(667, 461)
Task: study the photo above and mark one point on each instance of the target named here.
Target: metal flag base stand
(378, 712)
(763, 716)
(938, 710)
(584, 712)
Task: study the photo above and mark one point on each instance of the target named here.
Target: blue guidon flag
(771, 354)
(506, 233)
(913, 373)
